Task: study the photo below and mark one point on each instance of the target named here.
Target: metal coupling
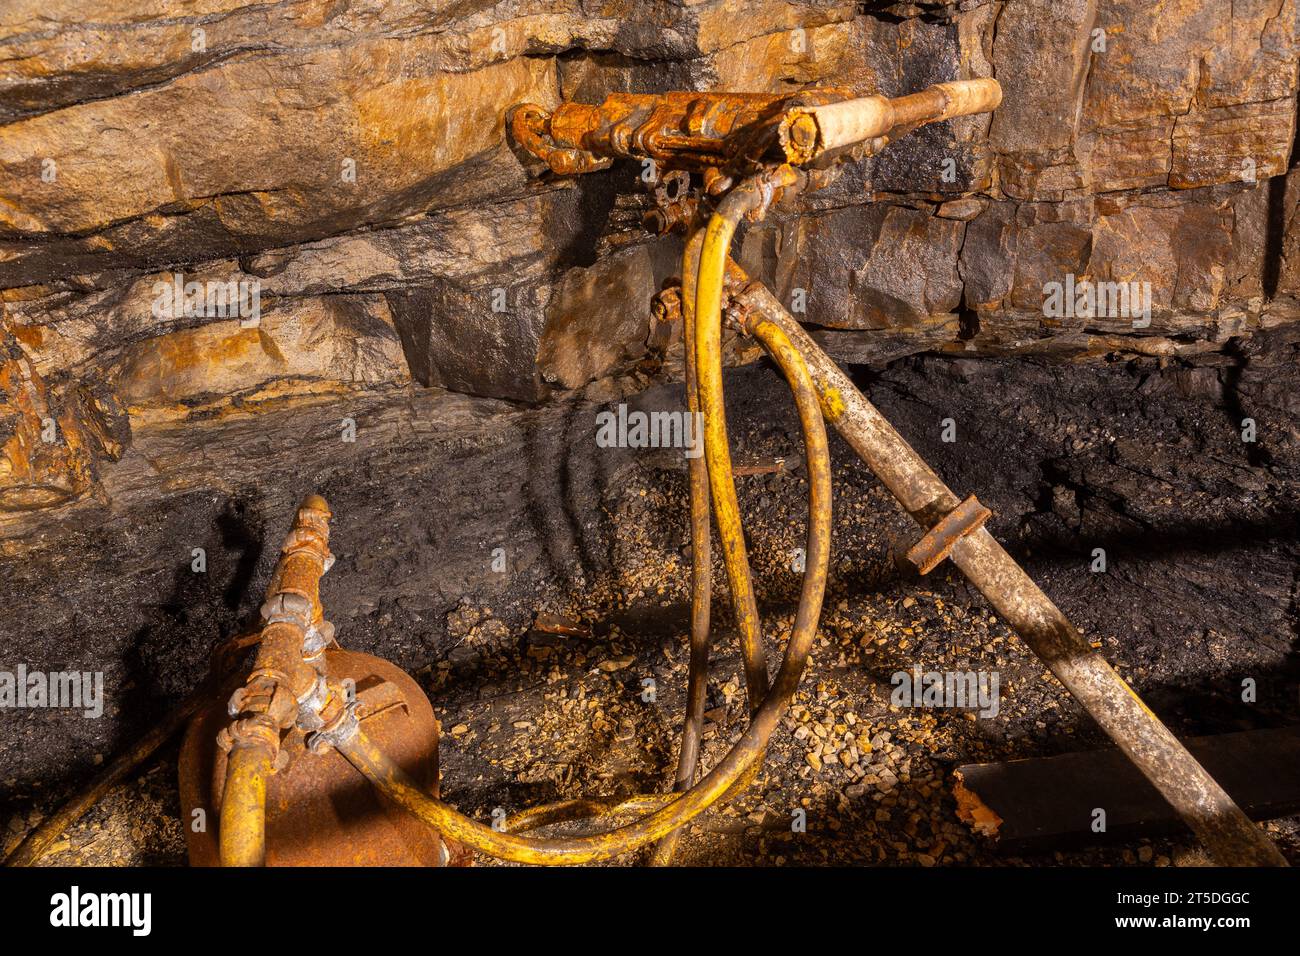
(258, 693)
(342, 729)
(318, 637)
(310, 705)
(256, 731)
(288, 607)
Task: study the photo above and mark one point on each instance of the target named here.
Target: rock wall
(348, 162)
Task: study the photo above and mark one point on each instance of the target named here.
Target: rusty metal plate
(319, 810)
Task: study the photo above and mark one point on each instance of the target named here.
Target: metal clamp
(340, 731)
(937, 543)
(318, 637)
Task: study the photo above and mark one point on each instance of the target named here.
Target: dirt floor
(1201, 590)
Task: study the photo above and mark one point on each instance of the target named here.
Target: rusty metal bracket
(937, 543)
(530, 127)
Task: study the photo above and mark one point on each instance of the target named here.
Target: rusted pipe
(730, 135)
(809, 132)
(243, 807)
(37, 843)
(287, 685)
(1217, 821)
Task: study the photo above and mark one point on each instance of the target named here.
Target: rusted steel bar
(937, 543)
(1207, 809)
(38, 842)
(807, 133)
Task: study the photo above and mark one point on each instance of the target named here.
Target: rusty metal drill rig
(326, 756)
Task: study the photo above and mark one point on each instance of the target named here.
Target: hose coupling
(288, 607)
(319, 636)
(339, 731)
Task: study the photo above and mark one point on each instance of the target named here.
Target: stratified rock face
(49, 446)
(348, 166)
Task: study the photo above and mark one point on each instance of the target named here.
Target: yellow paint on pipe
(243, 808)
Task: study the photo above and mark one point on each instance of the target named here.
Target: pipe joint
(288, 607)
(338, 732)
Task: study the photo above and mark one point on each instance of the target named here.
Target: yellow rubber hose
(697, 680)
(243, 808)
(717, 454)
(395, 784)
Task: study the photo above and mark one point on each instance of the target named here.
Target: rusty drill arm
(727, 135)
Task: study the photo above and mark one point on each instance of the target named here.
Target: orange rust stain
(973, 811)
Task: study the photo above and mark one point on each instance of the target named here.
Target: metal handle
(808, 132)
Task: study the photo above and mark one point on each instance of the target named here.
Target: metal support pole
(1226, 832)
